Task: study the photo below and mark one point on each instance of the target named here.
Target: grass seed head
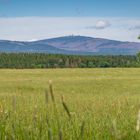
(51, 91)
(66, 108)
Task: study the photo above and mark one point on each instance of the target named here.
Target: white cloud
(33, 28)
(100, 24)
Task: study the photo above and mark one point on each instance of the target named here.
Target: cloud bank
(36, 28)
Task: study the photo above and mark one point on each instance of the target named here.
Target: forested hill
(72, 45)
(37, 60)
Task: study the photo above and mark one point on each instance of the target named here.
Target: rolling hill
(78, 45)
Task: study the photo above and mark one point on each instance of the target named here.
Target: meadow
(70, 104)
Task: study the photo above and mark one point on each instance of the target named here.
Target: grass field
(97, 104)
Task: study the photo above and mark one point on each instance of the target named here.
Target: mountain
(78, 45)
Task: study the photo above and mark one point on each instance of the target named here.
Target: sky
(28, 20)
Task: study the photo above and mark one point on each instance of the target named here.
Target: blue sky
(65, 8)
(28, 20)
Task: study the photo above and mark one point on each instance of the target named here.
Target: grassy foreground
(85, 104)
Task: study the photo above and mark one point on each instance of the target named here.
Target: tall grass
(100, 108)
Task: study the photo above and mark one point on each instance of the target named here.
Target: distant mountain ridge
(77, 45)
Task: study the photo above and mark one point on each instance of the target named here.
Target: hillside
(79, 45)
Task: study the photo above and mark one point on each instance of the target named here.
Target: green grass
(98, 104)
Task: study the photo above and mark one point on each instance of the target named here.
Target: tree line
(37, 60)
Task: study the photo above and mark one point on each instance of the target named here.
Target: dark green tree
(37, 60)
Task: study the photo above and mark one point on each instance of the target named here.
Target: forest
(38, 60)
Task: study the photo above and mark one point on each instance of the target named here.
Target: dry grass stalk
(138, 122)
(116, 132)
